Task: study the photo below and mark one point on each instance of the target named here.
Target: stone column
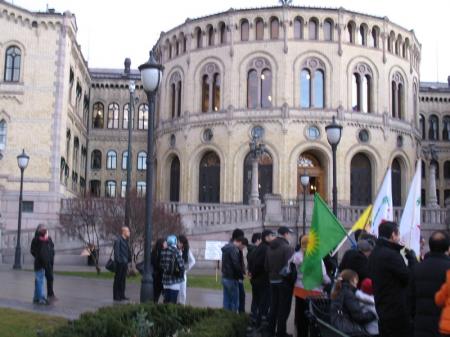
(254, 195)
(432, 196)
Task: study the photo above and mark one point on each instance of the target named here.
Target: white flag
(410, 223)
(382, 207)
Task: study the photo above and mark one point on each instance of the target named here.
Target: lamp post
(334, 133)
(22, 162)
(257, 148)
(151, 73)
(304, 179)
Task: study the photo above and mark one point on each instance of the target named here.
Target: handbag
(289, 273)
(111, 264)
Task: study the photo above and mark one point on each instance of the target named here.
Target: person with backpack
(172, 266)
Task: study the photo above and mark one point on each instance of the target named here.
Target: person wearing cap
(358, 259)
(278, 256)
(259, 280)
(172, 265)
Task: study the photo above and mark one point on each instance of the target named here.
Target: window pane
(305, 80)
(216, 92)
(142, 161)
(172, 99)
(355, 92)
(244, 30)
(259, 30)
(312, 30)
(126, 109)
(98, 116)
(124, 160)
(2, 135)
(365, 98)
(205, 93)
(318, 89)
(298, 29)
(123, 190)
(274, 29)
(327, 31)
(266, 88)
(143, 117)
(141, 187)
(179, 99)
(252, 89)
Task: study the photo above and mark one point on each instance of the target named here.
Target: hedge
(150, 320)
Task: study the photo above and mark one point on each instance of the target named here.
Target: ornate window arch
(398, 96)
(298, 28)
(211, 87)
(13, 59)
(274, 28)
(313, 29)
(113, 116)
(445, 129)
(222, 33)
(362, 88)
(259, 29)
(111, 160)
(363, 30)
(176, 88)
(210, 32)
(199, 37)
(124, 160)
(3, 134)
(245, 28)
(328, 29)
(351, 28)
(375, 38)
(259, 83)
(422, 128)
(126, 110)
(98, 115)
(143, 117)
(312, 84)
(433, 129)
(110, 189)
(390, 42)
(96, 160)
(142, 161)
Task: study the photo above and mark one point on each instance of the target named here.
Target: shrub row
(150, 320)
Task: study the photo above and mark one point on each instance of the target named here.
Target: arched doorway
(209, 178)
(265, 175)
(396, 183)
(175, 179)
(315, 168)
(360, 180)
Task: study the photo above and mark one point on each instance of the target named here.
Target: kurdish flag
(325, 234)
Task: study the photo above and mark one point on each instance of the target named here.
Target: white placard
(213, 250)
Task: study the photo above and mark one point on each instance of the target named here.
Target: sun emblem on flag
(313, 243)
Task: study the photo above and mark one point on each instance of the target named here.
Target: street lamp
(22, 162)
(304, 179)
(334, 133)
(151, 73)
(257, 149)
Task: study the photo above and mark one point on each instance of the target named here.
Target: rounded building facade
(279, 75)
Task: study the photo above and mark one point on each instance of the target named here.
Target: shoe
(117, 299)
(43, 302)
(124, 299)
(35, 301)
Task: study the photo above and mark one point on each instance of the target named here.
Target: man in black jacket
(277, 257)
(231, 273)
(40, 251)
(122, 256)
(428, 277)
(390, 277)
(358, 259)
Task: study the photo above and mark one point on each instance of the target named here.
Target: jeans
(120, 278)
(170, 296)
(241, 306)
(281, 295)
(39, 285)
(230, 294)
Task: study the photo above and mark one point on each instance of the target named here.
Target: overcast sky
(110, 30)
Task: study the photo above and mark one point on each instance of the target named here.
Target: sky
(110, 30)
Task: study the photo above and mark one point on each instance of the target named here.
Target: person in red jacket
(442, 299)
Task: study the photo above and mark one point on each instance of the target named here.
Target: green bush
(159, 320)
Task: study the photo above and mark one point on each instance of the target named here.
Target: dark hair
(256, 237)
(241, 239)
(357, 233)
(387, 228)
(158, 246)
(185, 252)
(439, 242)
(345, 276)
(237, 233)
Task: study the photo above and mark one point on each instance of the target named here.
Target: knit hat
(366, 286)
(171, 240)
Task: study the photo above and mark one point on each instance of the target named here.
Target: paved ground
(77, 294)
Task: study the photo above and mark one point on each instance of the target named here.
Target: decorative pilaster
(254, 195)
(432, 196)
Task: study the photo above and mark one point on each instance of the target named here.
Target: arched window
(422, 126)
(298, 28)
(405, 48)
(328, 30)
(211, 87)
(361, 88)
(2, 135)
(169, 49)
(313, 29)
(96, 160)
(181, 40)
(245, 30)
(433, 130)
(397, 96)
(351, 26)
(209, 178)
(111, 160)
(363, 35)
(274, 29)
(175, 94)
(143, 117)
(98, 115)
(142, 161)
(375, 37)
(396, 183)
(124, 160)
(447, 170)
(210, 30)
(223, 33)
(398, 45)
(446, 128)
(126, 112)
(110, 189)
(199, 38)
(12, 64)
(177, 46)
(113, 116)
(175, 180)
(259, 34)
(312, 84)
(390, 42)
(259, 84)
(94, 188)
(360, 180)
(184, 42)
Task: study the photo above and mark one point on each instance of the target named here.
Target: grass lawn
(194, 281)
(15, 323)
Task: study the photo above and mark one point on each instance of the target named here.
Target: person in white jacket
(365, 297)
(189, 262)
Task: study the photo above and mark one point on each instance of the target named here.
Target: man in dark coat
(232, 273)
(428, 277)
(358, 259)
(122, 256)
(390, 277)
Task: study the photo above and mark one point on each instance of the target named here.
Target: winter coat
(40, 249)
(172, 266)
(231, 262)
(122, 253)
(346, 312)
(256, 260)
(355, 260)
(428, 276)
(368, 304)
(277, 257)
(442, 299)
(390, 277)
